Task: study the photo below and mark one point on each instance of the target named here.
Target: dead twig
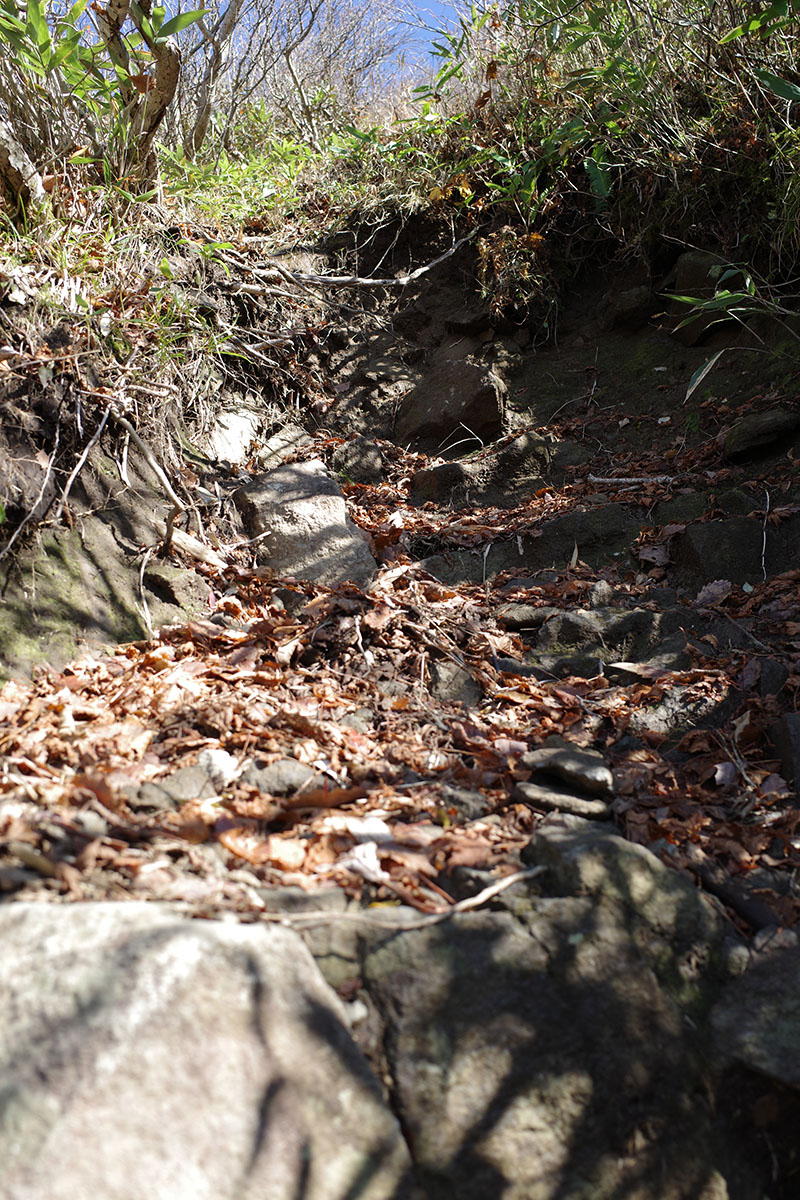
(360, 282)
(631, 479)
(393, 926)
(79, 465)
(177, 505)
(271, 273)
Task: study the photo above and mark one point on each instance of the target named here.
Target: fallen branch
(365, 282)
(393, 926)
(631, 479)
(272, 273)
(752, 910)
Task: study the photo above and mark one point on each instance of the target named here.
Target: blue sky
(431, 12)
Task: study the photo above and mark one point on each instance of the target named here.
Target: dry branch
(358, 281)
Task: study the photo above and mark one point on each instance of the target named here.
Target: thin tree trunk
(219, 39)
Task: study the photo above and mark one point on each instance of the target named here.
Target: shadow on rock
(555, 1050)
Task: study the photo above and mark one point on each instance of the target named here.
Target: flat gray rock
(359, 460)
(505, 475)
(580, 769)
(450, 682)
(281, 778)
(286, 442)
(757, 431)
(733, 549)
(147, 1055)
(233, 433)
(599, 532)
(535, 1056)
(309, 534)
(553, 799)
(525, 617)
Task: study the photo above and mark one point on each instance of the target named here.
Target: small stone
(187, 783)
(281, 778)
(451, 682)
(570, 629)
(628, 309)
(361, 720)
(309, 535)
(443, 483)
(359, 460)
(525, 616)
(773, 677)
(600, 594)
(757, 1022)
(91, 823)
(220, 766)
(785, 735)
(282, 445)
(463, 804)
(516, 666)
(174, 585)
(233, 434)
(453, 396)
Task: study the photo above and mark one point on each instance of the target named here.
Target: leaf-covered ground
(294, 737)
(302, 735)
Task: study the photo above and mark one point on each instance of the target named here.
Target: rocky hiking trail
(453, 747)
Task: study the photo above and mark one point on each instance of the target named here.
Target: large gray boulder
(757, 1022)
(506, 475)
(309, 535)
(546, 1052)
(600, 532)
(756, 432)
(147, 1055)
(73, 589)
(736, 549)
(457, 399)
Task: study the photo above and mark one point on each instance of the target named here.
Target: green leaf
(596, 168)
(723, 299)
(448, 73)
(781, 87)
(12, 21)
(65, 50)
(37, 28)
(701, 372)
(142, 21)
(76, 12)
(766, 20)
(182, 21)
